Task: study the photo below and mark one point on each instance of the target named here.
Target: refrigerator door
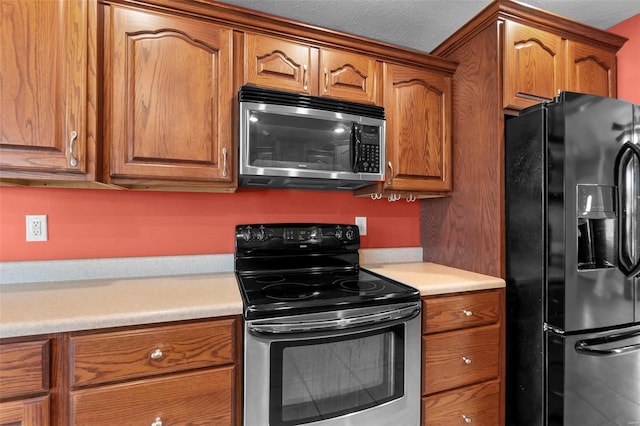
(585, 287)
(594, 379)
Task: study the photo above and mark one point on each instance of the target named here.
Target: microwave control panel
(369, 150)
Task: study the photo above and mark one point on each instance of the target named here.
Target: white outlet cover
(36, 227)
(361, 223)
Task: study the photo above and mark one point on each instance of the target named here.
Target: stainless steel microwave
(290, 140)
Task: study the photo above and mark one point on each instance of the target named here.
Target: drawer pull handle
(157, 422)
(157, 354)
(466, 360)
(466, 419)
(467, 313)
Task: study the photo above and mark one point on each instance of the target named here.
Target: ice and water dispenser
(597, 227)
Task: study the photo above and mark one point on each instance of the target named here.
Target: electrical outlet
(37, 228)
(361, 222)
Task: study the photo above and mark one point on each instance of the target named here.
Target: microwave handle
(356, 143)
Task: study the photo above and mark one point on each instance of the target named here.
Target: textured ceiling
(424, 24)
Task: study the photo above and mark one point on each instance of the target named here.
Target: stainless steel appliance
(289, 140)
(573, 256)
(326, 342)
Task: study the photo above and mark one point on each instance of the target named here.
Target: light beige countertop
(41, 308)
(53, 307)
(432, 278)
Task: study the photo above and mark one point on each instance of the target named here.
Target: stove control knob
(261, 235)
(339, 234)
(246, 234)
(350, 234)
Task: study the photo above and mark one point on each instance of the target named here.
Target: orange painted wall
(629, 59)
(86, 223)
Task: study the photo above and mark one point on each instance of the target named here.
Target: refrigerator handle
(588, 346)
(625, 263)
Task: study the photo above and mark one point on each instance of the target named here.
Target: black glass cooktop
(272, 295)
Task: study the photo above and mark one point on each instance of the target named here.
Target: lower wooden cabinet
(463, 359)
(180, 373)
(25, 412)
(174, 374)
(195, 398)
(24, 382)
(476, 405)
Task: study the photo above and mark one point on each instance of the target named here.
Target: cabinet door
(590, 70)
(349, 76)
(169, 80)
(26, 412)
(280, 64)
(418, 139)
(47, 89)
(533, 66)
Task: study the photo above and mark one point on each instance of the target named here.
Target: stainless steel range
(325, 341)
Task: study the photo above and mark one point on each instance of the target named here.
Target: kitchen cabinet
(24, 383)
(279, 63)
(48, 90)
(466, 230)
(538, 64)
(463, 358)
(168, 101)
(181, 373)
(418, 136)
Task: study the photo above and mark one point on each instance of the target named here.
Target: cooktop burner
(289, 269)
(289, 291)
(366, 287)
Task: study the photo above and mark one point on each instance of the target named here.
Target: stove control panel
(302, 235)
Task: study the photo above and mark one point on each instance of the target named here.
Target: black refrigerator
(572, 208)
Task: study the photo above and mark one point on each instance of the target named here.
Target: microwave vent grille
(250, 93)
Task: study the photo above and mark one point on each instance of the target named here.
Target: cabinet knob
(466, 419)
(157, 422)
(467, 313)
(466, 360)
(73, 161)
(157, 354)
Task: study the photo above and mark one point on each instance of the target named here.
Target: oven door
(350, 367)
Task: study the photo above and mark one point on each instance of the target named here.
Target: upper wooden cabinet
(591, 69)
(282, 64)
(48, 90)
(538, 64)
(168, 107)
(417, 105)
(534, 64)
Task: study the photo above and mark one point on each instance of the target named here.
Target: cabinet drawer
(108, 357)
(196, 398)
(459, 358)
(465, 310)
(24, 368)
(477, 405)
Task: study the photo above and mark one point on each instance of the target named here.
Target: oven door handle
(282, 327)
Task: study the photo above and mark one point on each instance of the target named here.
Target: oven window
(317, 379)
